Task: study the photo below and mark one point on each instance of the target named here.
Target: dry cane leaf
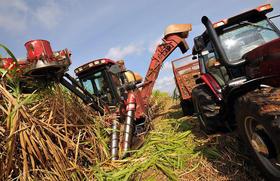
(24, 154)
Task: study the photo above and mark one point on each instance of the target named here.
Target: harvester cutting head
(42, 62)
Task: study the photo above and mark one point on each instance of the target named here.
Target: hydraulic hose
(115, 137)
(128, 125)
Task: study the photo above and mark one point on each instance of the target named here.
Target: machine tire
(187, 107)
(259, 129)
(206, 108)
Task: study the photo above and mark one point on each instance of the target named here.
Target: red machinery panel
(37, 48)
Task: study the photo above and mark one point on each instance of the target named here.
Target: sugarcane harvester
(105, 85)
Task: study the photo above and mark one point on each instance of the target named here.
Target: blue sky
(119, 29)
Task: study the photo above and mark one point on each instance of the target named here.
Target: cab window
(213, 66)
(98, 85)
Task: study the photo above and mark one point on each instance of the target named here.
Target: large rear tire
(206, 108)
(259, 128)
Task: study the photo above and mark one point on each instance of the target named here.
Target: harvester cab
(108, 80)
(98, 80)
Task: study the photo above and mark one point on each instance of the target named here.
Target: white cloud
(153, 45)
(12, 22)
(16, 14)
(13, 15)
(120, 52)
(49, 14)
(165, 84)
(18, 4)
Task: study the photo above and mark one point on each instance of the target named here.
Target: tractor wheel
(257, 115)
(206, 108)
(187, 107)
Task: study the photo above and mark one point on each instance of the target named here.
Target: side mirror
(199, 44)
(115, 69)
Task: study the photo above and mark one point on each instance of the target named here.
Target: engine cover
(265, 61)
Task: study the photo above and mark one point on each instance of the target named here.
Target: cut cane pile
(51, 135)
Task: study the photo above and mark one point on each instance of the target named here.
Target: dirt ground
(232, 163)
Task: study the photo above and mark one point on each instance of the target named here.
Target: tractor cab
(98, 80)
(222, 48)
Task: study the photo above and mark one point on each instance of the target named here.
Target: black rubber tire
(187, 107)
(254, 123)
(206, 108)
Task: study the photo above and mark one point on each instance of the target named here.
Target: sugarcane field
(140, 90)
(51, 144)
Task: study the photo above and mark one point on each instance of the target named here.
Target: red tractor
(105, 85)
(238, 82)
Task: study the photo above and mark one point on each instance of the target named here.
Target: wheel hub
(259, 144)
(262, 145)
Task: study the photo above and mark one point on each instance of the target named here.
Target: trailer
(185, 69)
